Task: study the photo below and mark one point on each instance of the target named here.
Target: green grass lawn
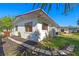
(62, 40)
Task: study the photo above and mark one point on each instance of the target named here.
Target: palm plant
(67, 6)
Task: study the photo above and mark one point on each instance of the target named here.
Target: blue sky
(14, 9)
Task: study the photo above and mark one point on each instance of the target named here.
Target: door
(52, 33)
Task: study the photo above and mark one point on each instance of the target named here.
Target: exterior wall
(53, 31)
(43, 33)
(31, 35)
(37, 26)
(21, 28)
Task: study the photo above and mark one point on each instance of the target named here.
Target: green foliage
(1, 25)
(6, 23)
(67, 7)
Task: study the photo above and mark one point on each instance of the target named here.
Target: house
(34, 25)
(65, 30)
(68, 30)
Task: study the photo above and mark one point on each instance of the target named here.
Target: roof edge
(29, 12)
(50, 18)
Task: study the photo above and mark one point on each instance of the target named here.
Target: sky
(15, 9)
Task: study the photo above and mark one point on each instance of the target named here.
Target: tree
(67, 6)
(6, 23)
(1, 24)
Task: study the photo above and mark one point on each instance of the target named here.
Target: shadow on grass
(1, 47)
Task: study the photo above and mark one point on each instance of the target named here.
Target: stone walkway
(9, 47)
(46, 52)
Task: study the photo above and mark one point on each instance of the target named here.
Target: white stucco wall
(21, 27)
(43, 33)
(36, 26)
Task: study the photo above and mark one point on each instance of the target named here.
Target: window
(16, 28)
(28, 27)
(44, 26)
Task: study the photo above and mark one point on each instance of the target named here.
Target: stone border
(47, 52)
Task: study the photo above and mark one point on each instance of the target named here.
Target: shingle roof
(38, 11)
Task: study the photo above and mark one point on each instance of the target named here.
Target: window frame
(28, 27)
(44, 26)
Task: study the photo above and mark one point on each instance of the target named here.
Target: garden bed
(62, 41)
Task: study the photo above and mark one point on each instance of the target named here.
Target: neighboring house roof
(38, 11)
